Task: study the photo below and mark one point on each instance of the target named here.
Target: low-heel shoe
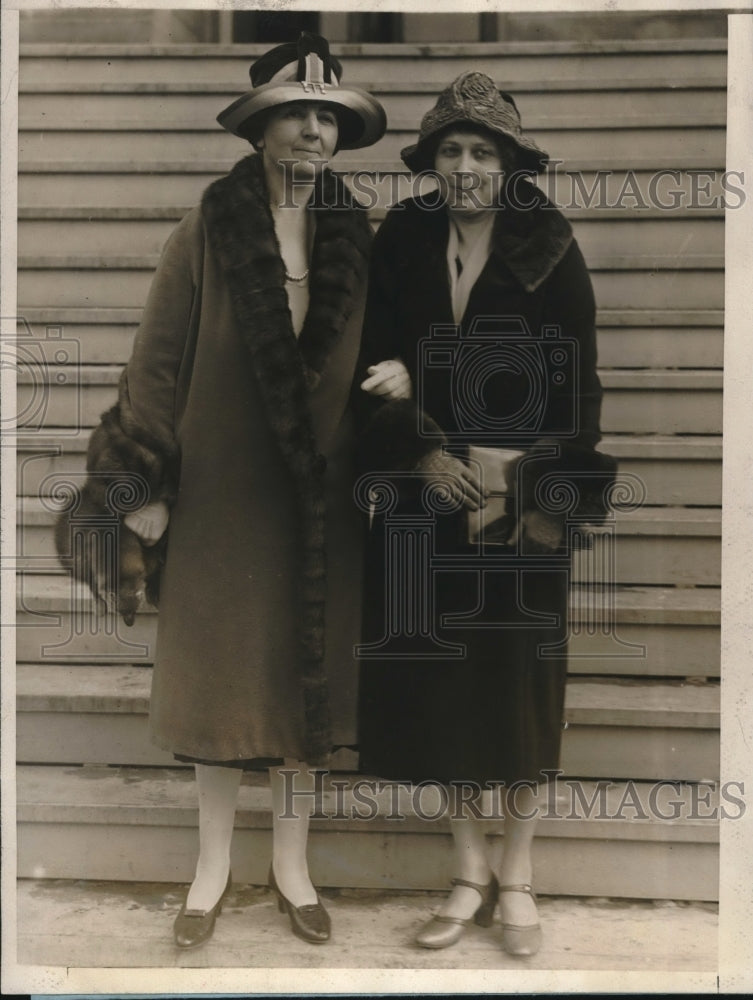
(194, 927)
(441, 931)
(310, 923)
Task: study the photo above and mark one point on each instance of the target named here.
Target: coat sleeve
(389, 431)
(570, 460)
(148, 389)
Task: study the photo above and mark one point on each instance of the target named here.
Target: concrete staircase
(116, 143)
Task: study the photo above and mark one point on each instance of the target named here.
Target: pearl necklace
(297, 277)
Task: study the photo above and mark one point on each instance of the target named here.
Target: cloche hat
(305, 71)
(473, 99)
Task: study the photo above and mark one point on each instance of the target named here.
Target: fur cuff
(392, 441)
(564, 480)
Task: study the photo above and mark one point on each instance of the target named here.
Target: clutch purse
(493, 523)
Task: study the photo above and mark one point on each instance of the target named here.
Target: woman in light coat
(234, 410)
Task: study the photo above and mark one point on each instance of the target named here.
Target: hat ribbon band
(314, 74)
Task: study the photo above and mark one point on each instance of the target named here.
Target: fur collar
(241, 233)
(529, 240)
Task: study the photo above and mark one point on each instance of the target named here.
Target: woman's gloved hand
(389, 379)
(149, 522)
(462, 482)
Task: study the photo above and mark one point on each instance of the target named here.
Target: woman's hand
(450, 472)
(389, 379)
(149, 522)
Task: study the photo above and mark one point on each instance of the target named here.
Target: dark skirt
(492, 714)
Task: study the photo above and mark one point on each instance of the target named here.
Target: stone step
(640, 401)
(677, 471)
(656, 339)
(525, 63)
(97, 231)
(140, 825)
(655, 631)
(674, 546)
(404, 105)
(642, 729)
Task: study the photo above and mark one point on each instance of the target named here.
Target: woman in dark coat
(234, 408)
(481, 291)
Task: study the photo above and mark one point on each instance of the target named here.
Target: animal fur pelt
(287, 370)
(126, 468)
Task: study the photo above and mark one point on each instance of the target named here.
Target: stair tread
(166, 796)
(173, 213)
(706, 159)
(408, 50)
(605, 317)
(645, 605)
(122, 688)
(717, 81)
(641, 378)
(693, 447)
(535, 122)
(596, 262)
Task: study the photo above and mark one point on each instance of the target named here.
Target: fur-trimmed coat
(468, 662)
(259, 594)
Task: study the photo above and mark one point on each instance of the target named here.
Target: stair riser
(359, 859)
(51, 637)
(685, 289)
(647, 650)
(673, 482)
(121, 238)
(619, 347)
(691, 650)
(626, 411)
(379, 185)
(671, 651)
(592, 751)
(203, 108)
(677, 561)
(441, 69)
(618, 145)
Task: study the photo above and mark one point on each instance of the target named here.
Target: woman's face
(303, 131)
(472, 170)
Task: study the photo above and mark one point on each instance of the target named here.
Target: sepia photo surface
(642, 836)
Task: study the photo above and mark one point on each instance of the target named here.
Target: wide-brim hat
(305, 71)
(473, 99)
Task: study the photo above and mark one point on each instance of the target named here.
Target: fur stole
(126, 468)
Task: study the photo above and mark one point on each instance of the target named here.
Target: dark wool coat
(259, 594)
(494, 712)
